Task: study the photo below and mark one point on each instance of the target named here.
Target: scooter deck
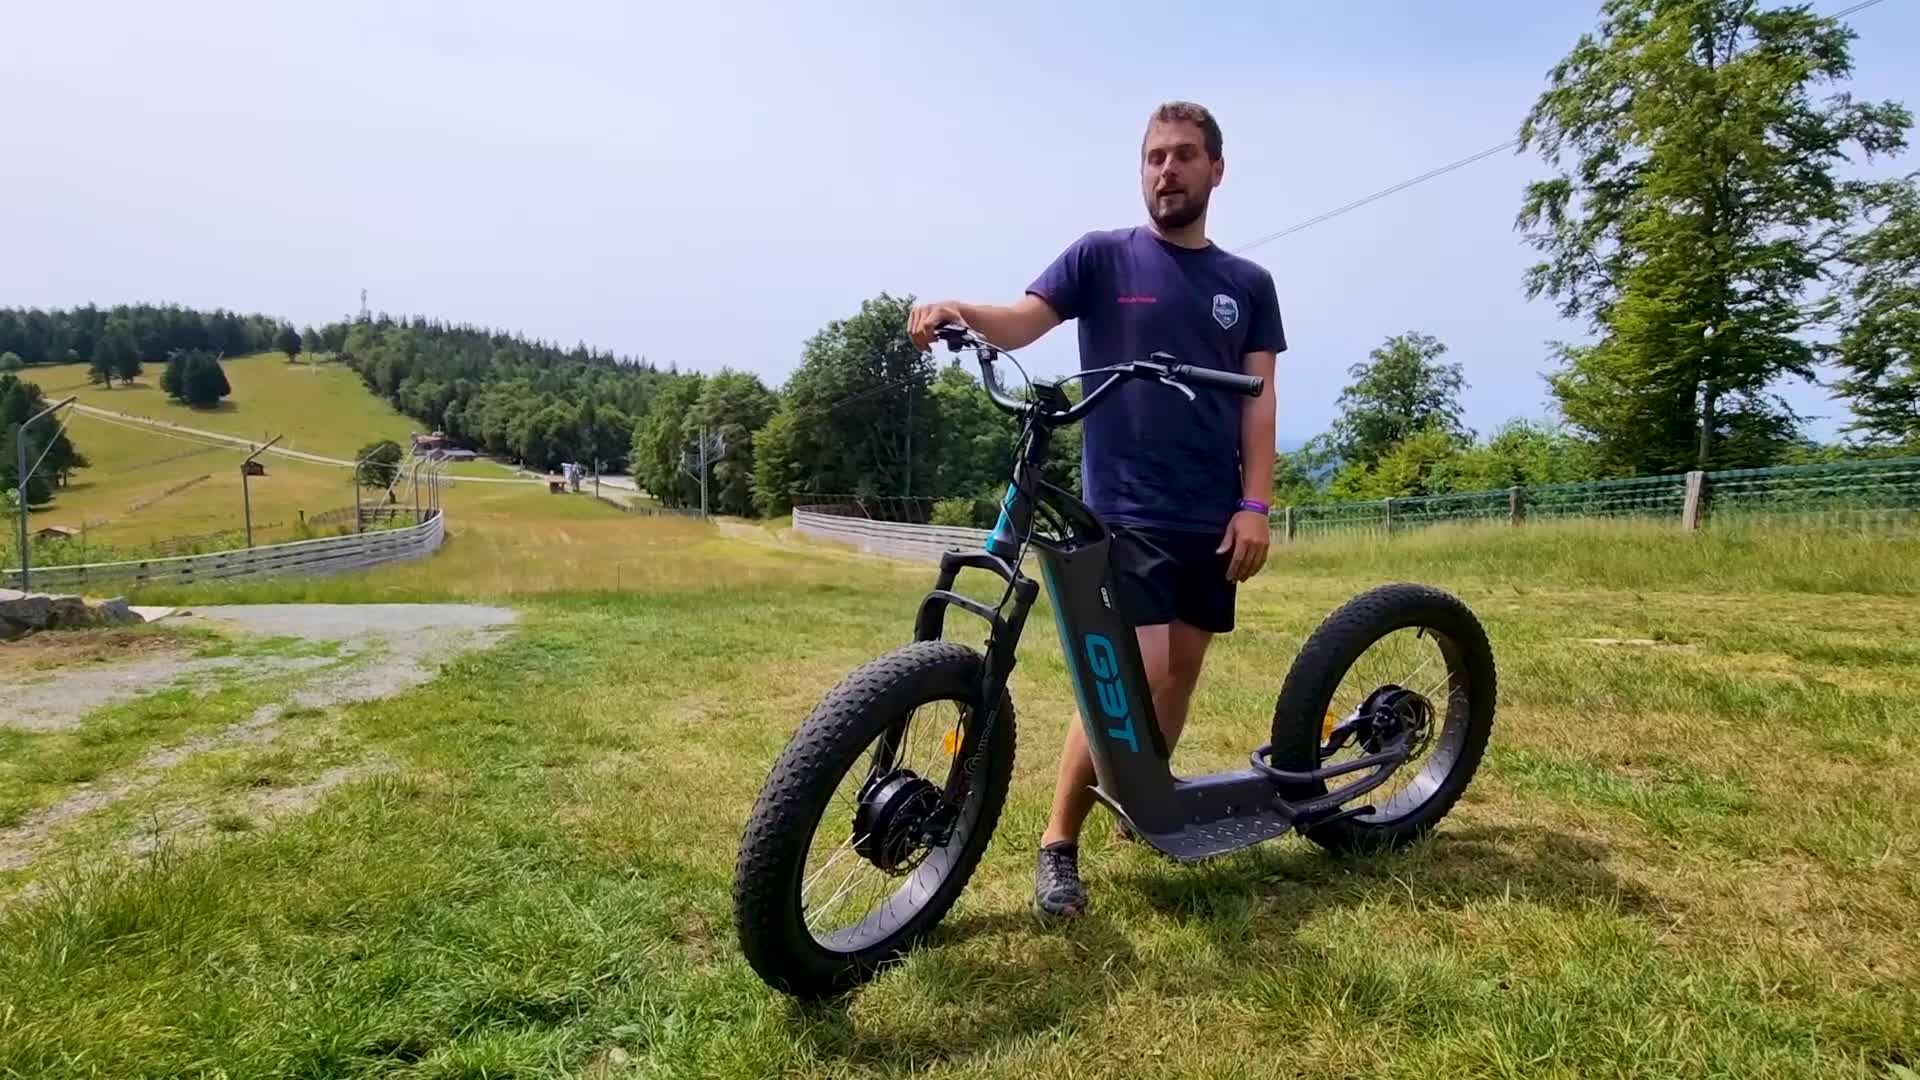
(1207, 839)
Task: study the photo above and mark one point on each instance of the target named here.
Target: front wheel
(847, 860)
(1397, 665)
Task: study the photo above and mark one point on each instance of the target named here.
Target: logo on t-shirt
(1225, 311)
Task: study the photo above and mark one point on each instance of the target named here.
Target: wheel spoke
(837, 855)
(847, 884)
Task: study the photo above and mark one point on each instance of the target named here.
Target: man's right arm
(1010, 326)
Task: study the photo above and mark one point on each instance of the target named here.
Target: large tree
(47, 442)
(660, 444)
(288, 341)
(1691, 219)
(193, 377)
(732, 406)
(1879, 347)
(860, 419)
(115, 354)
(1402, 388)
(379, 463)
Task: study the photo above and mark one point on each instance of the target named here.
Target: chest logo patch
(1226, 311)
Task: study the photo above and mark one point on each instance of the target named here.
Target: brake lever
(1180, 386)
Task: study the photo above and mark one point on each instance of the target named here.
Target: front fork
(1002, 640)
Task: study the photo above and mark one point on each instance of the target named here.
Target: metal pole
(703, 472)
(20, 447)
(246, 496)
(20, 444)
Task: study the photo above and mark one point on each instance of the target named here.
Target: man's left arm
(1249, 533)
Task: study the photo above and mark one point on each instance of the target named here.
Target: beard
(1182, 213)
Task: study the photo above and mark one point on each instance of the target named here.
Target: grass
(122, 499)
(320, 408)
(1694, 857)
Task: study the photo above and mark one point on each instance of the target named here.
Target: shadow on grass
(989, 979)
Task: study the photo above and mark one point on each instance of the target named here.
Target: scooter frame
(1188, 819)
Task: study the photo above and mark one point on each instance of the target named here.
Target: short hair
(1197, 115)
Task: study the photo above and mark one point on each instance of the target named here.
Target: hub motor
(889, 827)
(1393, 713)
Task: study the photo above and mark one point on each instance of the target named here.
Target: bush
(954, 512)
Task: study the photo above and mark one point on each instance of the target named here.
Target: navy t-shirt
(1149, 456)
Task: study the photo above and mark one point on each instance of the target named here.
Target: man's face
(1176, 176)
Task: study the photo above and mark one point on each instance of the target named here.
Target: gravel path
(384, 649)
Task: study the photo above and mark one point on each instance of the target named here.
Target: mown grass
(1693, 857)
(319, 408)
(122, 495)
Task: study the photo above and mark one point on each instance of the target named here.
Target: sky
(709, 184)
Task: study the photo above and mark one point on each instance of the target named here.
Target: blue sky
(709, 184)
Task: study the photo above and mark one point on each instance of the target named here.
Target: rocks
(22, 613)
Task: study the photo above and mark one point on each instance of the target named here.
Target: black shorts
(1168, 574)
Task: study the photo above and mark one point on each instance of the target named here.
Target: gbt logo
(1105, 664)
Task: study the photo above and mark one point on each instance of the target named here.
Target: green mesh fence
(1861, 493)
(1865, 494)
(1639, 496)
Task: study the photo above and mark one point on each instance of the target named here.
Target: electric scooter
(876, 813)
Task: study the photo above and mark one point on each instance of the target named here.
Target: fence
(327, 555)
(1884, 493)
(899, 539)
(1859, 494)
(650, 511)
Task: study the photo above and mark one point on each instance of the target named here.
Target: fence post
(1286, 523)
(1516, 503)
(1389, 516)
(1692, 513)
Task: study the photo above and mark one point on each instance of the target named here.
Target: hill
(146, 484)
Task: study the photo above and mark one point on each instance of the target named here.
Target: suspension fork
(1006, 625)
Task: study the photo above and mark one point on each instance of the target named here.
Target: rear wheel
(1397, 665)
(846, 861)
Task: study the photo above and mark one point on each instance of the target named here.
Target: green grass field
(1689, 858)
(122, 499)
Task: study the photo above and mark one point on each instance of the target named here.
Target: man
(1183, 484)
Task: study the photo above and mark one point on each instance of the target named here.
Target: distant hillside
(523, 400)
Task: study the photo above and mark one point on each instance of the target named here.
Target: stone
(68, 613)
(29, 611)
(116, 612)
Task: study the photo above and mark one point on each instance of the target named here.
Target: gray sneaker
(1057, 892)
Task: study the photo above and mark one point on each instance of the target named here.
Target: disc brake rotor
(1393, 713)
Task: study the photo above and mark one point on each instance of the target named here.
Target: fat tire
(773, 851)
(1316, 673)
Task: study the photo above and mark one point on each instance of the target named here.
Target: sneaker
(1057, 892)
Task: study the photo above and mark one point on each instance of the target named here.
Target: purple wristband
(1256, 506)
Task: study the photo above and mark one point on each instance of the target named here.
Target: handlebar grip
(1250, 385)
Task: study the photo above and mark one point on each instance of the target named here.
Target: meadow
(145, 484)
(1690, 851)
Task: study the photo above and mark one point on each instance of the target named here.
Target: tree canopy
(18, 401)
(61, 336)
(1692, 218)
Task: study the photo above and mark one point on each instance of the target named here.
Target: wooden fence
(327, 555)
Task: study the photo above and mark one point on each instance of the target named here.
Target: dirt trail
(382, 650)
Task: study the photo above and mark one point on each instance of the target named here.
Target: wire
(1381, 194)
(1442, 170)
(62, 430)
